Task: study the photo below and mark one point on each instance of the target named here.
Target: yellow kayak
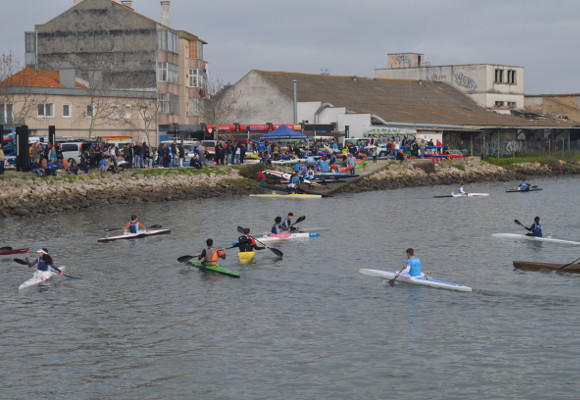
(246, 256)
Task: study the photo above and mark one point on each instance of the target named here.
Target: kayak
(39, 277)
(136, 235)
(469, 194)
(284, 236)
(289, 196)
(425, 281)
(13, 251)
(518, 236)
(523, 191)
(246, 256)
(536, 266)
(215, 268)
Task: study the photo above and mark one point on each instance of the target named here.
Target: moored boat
(13, 251)
(538, 266)
(289, 196)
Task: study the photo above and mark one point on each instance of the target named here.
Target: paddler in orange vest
(211, 254)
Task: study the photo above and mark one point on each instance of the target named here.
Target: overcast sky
(349, 37)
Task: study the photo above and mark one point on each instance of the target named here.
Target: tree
(218, 105)
(148, 111)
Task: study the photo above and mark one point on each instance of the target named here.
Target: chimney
(165, 15)
(128, 3)
(68, 76)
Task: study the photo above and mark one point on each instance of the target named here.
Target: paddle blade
(155, 227)
(302, 218)
(20, 261)
(391, 282)
(277, 252)
(184, 258)
(112, 229)
(517, 222)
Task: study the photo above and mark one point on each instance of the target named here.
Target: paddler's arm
(202, 255)
(30, 263)
(127, 226)
(222, 254)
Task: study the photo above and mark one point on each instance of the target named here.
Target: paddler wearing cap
(43, 262)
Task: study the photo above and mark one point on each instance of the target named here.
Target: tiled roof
(35, 78)
(400, 101)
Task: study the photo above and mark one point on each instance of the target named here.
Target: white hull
(425, 281)
(298, 235)
(39, 277)
(517, 236)
(470, 195)
(135, 235)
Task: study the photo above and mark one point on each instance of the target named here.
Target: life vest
(415, 266)
(133, 227)
(211, 256)
(276, 229)
(246, 242)
(42, 265)
(285, 225)
(538, 230)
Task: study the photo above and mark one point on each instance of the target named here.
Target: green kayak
(215, 268)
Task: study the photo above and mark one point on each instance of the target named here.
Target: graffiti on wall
(402, 59)
(465, 81)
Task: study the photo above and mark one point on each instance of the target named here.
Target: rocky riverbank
(425, 173)
(22, 194)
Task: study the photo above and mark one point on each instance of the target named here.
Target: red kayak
(12, 251)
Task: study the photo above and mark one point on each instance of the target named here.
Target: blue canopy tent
(283, 132)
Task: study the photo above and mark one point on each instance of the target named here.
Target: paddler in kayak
(43, 262)
(278, 227)
(524, 186)
(246, 242)
(287, 223)
(134, 226)
(211, 254)
(413, 266)
(461, 190)
(535, 229)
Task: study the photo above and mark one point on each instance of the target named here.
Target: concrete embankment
(425, 173)
(19, 197)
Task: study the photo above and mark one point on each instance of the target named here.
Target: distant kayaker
(248, 243)
(278, 227)
(461, 190)
(413, 266)
(134, 225)
(43, 262)
(211, 254)
(524, 186)
(535, 229)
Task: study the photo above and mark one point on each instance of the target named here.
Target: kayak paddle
(23, 262)
(7, 248)
(300, 219)
(567, 265)
(275, 251)
(118, 229)
(519, 223)
(391, 282)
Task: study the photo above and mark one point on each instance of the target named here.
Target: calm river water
(139, 325)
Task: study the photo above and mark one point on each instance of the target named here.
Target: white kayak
(469, 194)
(517, 236)
(40, 277)
(135, 235)
(425, 281)
(296, 235)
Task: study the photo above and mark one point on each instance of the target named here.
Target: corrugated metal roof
(398, 100)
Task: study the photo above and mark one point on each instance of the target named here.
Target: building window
(499, 103)
(199, 50)
(128, 111)
(45, 110)
(511, 104)
(167, 72)
(114, 111)
(499, 76)
(194, 78)
(6, 114)
(66, 110)
(192, 53)
(168, 41)
(90, 110)
(168, 104)
(511, 76)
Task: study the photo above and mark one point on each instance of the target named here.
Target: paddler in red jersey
(211, 254)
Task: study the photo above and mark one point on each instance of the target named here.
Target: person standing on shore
(2, 160)
(261, 180)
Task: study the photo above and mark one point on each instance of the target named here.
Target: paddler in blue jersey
(43, 262)
(211, 254)
(277, 228)
(134, 225)
(246, 242)
(413, 266)
(287, 223)
(535, 229)
(524, 186)
(461, 190)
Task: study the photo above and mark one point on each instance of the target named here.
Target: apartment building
(113, 47)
